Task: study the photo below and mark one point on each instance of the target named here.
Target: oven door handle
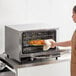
(40, 57)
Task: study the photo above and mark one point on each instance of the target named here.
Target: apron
(73, 55)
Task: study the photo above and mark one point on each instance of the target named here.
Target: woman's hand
(53, 44)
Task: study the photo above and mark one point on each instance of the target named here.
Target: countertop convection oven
(17, 37)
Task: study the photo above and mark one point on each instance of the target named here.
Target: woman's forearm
(63, 44)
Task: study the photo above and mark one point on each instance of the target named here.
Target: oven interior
(36, 35)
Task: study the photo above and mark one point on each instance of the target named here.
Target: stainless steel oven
(17, 37)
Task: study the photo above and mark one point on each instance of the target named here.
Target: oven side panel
(12, 41)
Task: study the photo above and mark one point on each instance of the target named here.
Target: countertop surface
(65, 56)
(50, 60)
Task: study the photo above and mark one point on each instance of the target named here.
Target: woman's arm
(63, 44)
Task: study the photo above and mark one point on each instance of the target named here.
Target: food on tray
(46, 43)
(36, 42)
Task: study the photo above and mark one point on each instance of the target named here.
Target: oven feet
(56, 58)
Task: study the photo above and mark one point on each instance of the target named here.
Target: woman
(71, 43)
